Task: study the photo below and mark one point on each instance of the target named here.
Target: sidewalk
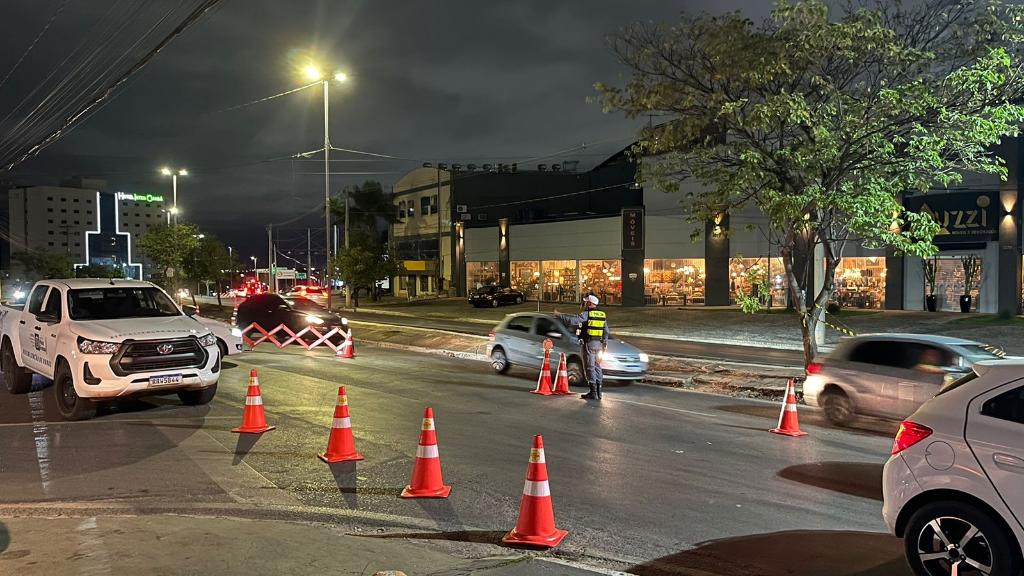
(777, 328)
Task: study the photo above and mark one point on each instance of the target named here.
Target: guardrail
(322, 339)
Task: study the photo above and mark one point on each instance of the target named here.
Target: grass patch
(986, 320)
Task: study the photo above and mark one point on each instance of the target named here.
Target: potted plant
(930, 266)
(972, 275)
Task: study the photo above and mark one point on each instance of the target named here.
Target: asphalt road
(653, 480)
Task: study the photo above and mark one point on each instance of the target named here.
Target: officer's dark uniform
(593, 334)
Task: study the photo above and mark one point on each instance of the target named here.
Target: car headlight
(644, 358)
(314, 319)
(96, 347)
(208, 340)
(236, 332)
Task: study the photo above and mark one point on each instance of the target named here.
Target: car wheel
(197, 397)
(17, 380)
(223, 347)
(69, 403)
(838, 407)
(494, 303)
(942, 534)
(519, 299)
(577, 377)
(499, 361)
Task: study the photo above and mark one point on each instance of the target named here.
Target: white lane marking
(579, 566)
(41, 437)
(683, 410)
(419, 329)
(92, 557)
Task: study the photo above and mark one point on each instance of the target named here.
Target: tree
(365, 266)
(169, 247)
(823, 120)
(98, 271)
(370, 211)
(42, 264)
(210, 261)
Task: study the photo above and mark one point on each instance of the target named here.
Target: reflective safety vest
(594, 326)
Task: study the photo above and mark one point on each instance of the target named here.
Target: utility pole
(309, 256)
(271, 284)
(327, 196)
(348, 286)
(440, 272)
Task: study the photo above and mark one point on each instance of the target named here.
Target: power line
(59, 9)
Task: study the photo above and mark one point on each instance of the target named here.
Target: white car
(954, 486)
(229, 338)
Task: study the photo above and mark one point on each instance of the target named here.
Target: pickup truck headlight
(314, 319)
(95, 347)
(208, 340)
(644, 358)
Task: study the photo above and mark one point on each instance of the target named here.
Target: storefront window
(603, 278)
(949, 283)
(560, 283)
(674, 281)
(744, 271)
(525, 277)
(480, 274)
(860, 282)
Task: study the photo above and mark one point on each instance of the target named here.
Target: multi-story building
(84, 221)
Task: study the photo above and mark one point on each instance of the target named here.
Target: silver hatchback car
(519, 341)
(888, 375)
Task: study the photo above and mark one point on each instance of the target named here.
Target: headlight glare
(95, 347)
(314, 319)
(644, 357)
(208, 340)
(236, 332)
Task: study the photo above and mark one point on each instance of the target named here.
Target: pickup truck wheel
(17, 380)
(198, 397)
(69, 403)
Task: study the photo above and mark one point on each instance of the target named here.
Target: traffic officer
(593, 325)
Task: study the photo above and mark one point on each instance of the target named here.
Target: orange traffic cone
(789, 424)
(341, 446)
(254, 419)
(427, 481)
(562, 382)
(544, 380)
(536, 524)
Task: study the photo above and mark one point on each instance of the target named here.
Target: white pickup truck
(104, 339)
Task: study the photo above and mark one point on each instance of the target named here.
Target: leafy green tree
(98, 271)
(370, 211)
(41, 264)
(822, 120)
(169, 249)
(364, 266)
(210, 261)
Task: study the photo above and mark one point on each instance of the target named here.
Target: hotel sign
(632, 228)
(140, 197)
(962, 216)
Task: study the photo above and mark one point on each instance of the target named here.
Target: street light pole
(327, 194)
(174, 188)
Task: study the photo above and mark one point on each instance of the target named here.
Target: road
(653, 480)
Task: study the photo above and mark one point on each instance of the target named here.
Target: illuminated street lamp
(174, 186)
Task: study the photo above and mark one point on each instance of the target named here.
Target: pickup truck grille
(143, 356)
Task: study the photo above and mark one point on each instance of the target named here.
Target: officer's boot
(592, 395)
(597, 389)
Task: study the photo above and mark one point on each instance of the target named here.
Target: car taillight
(815, 368)
(490, 336)
(910, 433)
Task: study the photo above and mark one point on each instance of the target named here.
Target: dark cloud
(453, 80)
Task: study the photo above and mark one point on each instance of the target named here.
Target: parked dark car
(495, 296)
(271, 310)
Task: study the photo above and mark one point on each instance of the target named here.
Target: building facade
(85, 222)
(557, 236)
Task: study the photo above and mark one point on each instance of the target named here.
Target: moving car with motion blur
(229, 338)
(953, 486)
(272, 310)
(888, 375)
(519, 341)
(494, 296)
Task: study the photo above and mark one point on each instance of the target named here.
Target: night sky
(462, 81)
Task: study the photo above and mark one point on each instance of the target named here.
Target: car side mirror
(554, 335)
(47, 318)
(190, 311)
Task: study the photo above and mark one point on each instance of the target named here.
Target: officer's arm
(571, 320)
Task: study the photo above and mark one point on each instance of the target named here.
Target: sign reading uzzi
(139, 197)
(962, 216)
(632, 228)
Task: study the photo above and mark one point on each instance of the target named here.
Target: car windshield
(305, 305)
(112, 303)
(487, 290)
(979, 352)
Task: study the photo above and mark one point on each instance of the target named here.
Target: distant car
(312, 292)
(494, 296)
(888, 375)
(952, 488)
(519, 341)
(229, 338)
(272, 310)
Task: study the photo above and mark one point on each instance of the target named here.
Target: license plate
(165, 379)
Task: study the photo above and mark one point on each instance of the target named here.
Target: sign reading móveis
(632, 228)
(962, 216)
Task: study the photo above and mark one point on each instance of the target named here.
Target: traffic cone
(427, 481)
(789, 424)
(562, 382)
(536, 524)
(544, 380)
(254, 419)
(341, 446)
(347, 348)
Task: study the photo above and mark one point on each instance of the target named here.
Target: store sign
(139, 197)
(962, 216)
(632, 228)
